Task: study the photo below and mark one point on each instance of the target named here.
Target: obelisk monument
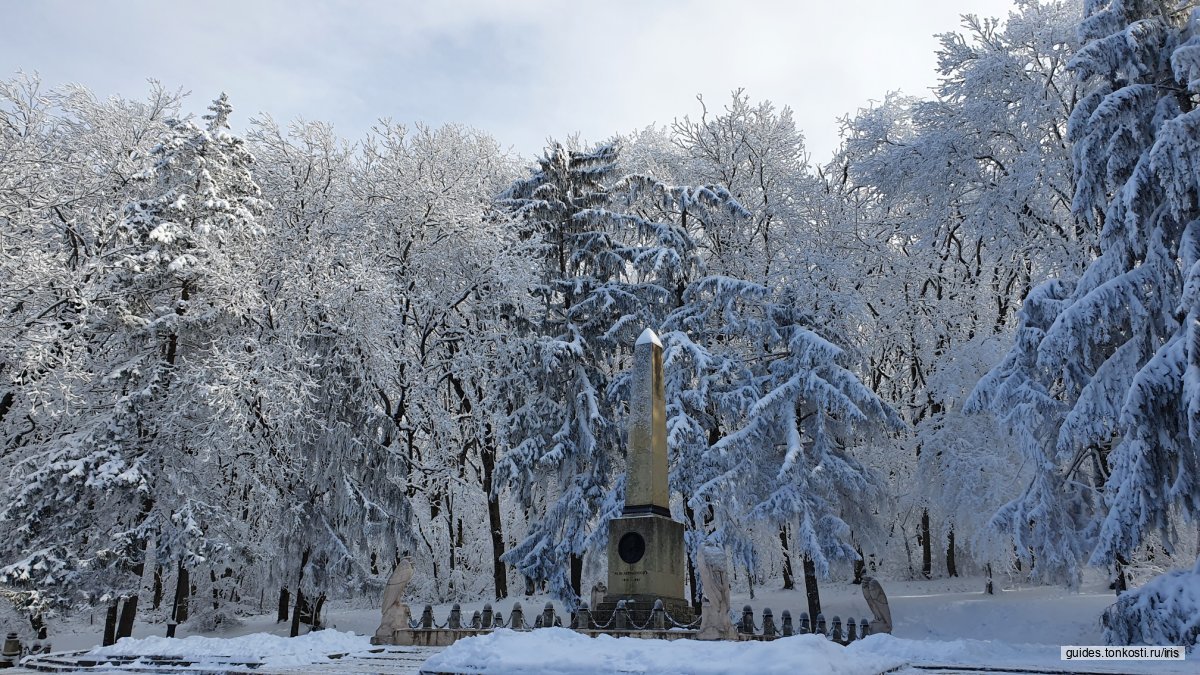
(646, 463)
(646, 559)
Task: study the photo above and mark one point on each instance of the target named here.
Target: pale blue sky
(522, 70)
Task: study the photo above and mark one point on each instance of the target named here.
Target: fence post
(455, 620)
(805, 624)
(851, 630)
(476, 621)
(516, 618)
(427, 617)
(487, 616)
(836, 633)
(621, 616)
(583, 617)
(788, 631)
(820, 628)
(658, 616)
(746, 625)
(769, 631)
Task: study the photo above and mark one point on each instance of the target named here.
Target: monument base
(646, 562)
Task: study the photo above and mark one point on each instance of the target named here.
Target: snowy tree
(427, 197)
(133, 481)
(958, 204)
(562, 422)
(1103, 362)
(340, 509)
(613, 256)
(765, 413)
(756, 153)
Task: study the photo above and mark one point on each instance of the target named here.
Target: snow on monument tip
(648, 336)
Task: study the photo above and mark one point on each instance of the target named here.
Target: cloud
(521, 70)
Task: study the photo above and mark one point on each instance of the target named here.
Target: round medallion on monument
(632, 547)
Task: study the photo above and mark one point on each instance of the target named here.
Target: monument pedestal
(645, 557)
(645, 563)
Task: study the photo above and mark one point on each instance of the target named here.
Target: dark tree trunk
(989, 588)
(183, 583)
(860, 567)
(110, 624)
(128, 613)
(315, 621)
(499, 569)
(926, 548)
(38, 624)
(951, 565)
(693, 591)
(295, 630)
(577, 575)
(212, 578)
(285, 599)
(1118, 583)
(301, 605)
(788, 582)
(156, 598)
(487, 457)
(810, 588)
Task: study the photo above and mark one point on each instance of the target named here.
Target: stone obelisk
(646, 559)
(646, 464)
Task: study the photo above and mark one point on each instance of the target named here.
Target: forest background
(237, 367)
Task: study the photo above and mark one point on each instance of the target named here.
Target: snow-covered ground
(945, 621)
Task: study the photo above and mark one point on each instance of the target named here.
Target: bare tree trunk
(860, 566)
(1118, 583)
(179, 610)
(38, 623)
(810, 588)
(212, 578)
(453, 541)
(788, 582)
(577, 575)
(156, 598)
(487, 458)
(951, 565)
(300, 603)
(926, 549)
(499, 569)
(295, 629)
(315, 623)
(693, 591)
(285, 599)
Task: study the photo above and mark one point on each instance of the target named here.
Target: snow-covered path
(385, 661)
(942, 626)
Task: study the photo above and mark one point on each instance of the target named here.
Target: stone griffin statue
(876, 599)
(396, 614)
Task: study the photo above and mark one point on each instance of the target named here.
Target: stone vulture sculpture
(396, 614)
(877, 600)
